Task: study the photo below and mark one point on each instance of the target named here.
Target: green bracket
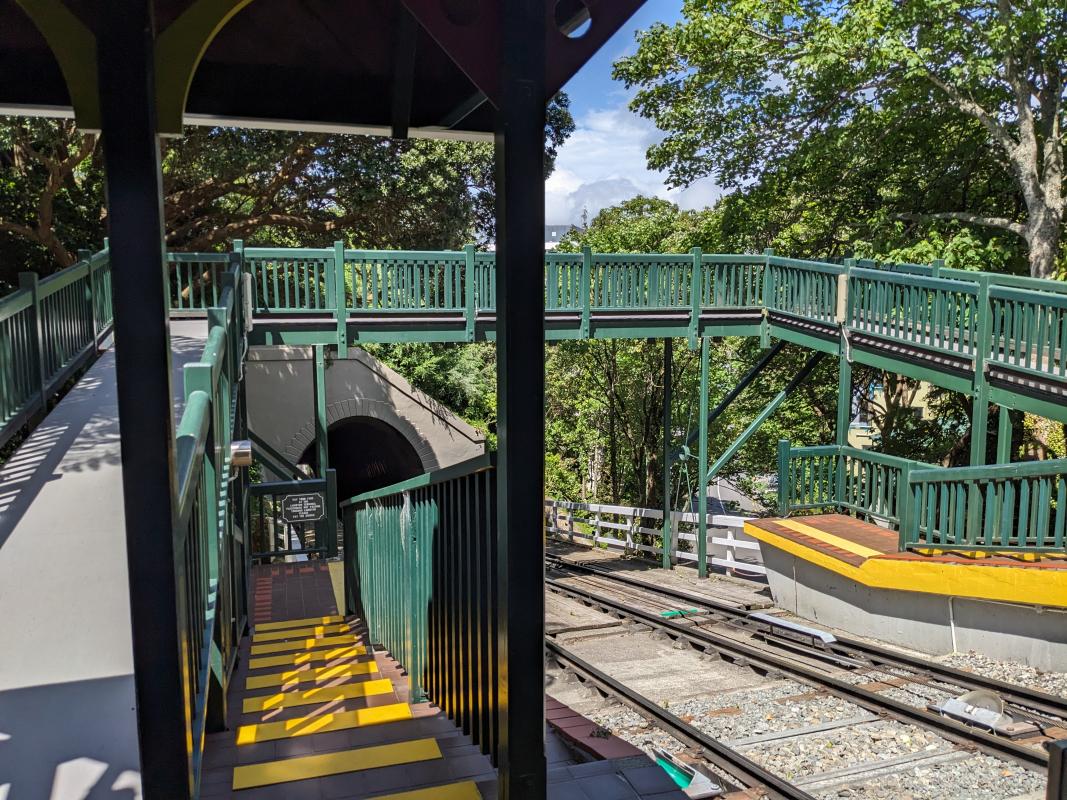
(74, 48)
(179, 49)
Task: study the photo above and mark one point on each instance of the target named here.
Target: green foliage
(832, 121)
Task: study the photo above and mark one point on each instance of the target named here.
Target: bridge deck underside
(1038, 388)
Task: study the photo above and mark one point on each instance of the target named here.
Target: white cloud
(603, 163)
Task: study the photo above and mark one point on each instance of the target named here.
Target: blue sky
(603, 162)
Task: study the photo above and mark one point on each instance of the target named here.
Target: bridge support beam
(520, 397)
(668, 379)
(702, 462)
(143, 375)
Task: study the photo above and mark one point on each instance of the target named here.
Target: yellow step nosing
(323, 764)
(463, 790)
(295, 623)
(306, 657)
(312, 675)
(320, 694)
(317, 631)
(322, 723)
(303, 644)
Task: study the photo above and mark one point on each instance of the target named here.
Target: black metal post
(143, 372)
(520, 397)
(1057, 770)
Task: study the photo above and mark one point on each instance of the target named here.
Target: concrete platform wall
(281, 404)
(925, 622)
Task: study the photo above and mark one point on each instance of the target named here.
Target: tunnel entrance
(367, 454)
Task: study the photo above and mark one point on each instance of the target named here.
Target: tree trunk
(1043, 234)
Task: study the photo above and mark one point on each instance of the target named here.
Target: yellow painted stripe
(829, 538)
(296, 623)
(467, 790)
(318, 766)
(296, 659)
(294, 677)
(321, 723)
(320, 694)
(303, 644)
(299, 633)
(1033, 586)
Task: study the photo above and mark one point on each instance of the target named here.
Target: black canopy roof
(428, 67)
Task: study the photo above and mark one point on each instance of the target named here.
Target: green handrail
(422, 554)
(50, 328)
(1005, 508)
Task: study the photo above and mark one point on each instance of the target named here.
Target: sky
(603, 161)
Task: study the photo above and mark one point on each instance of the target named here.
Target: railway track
(826, 664)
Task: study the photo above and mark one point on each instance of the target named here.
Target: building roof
(424, 67)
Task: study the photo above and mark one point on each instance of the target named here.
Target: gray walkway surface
(67, 716)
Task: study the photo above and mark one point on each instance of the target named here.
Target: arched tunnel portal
(367, 454)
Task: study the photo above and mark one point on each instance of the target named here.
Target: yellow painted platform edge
(320, 694)
(464, 790)
(977, 581)
(321, 723)
(829, 538)
(250, 776)
(294, 623)
(270, 648)
(311, 674)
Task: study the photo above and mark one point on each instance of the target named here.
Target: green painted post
(199, 378)
(86, 255)
(30, 282)
(331, 513)
(696, 287)
(844, 382)
(904, 506)
(470, 282)
(586, 289)
(980, 414)
(340, 300)
(1004, 450)
(702, 463)
(668, 366)
(321, 445)
(936, 266)
(783, 477)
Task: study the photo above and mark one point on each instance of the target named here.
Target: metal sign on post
(298, 508)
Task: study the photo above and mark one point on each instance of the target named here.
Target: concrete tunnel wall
(365, 401)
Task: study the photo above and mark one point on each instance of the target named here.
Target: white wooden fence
(621, 527)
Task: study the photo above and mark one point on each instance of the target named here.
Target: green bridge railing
(49, 329)
(423, 554)
(209, 549)
(998, 508)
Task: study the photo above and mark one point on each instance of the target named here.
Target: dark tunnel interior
(367, 454)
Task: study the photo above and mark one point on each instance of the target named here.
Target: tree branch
(974, 219)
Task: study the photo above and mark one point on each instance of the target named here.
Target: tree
(748, 89)
(268, 187)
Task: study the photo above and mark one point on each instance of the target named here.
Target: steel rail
(726, 758)
(1011, 693)
(949, 728)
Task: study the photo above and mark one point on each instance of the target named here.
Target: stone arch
(355, 407)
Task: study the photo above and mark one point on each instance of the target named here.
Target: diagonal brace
(770, 408)
(733, 394)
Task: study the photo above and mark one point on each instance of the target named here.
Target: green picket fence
(871, 485)
(49, 329)
(1029, 330)
(423, 553)
(209, 554)
(195, 279)
(990, 508)
(805, 289)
